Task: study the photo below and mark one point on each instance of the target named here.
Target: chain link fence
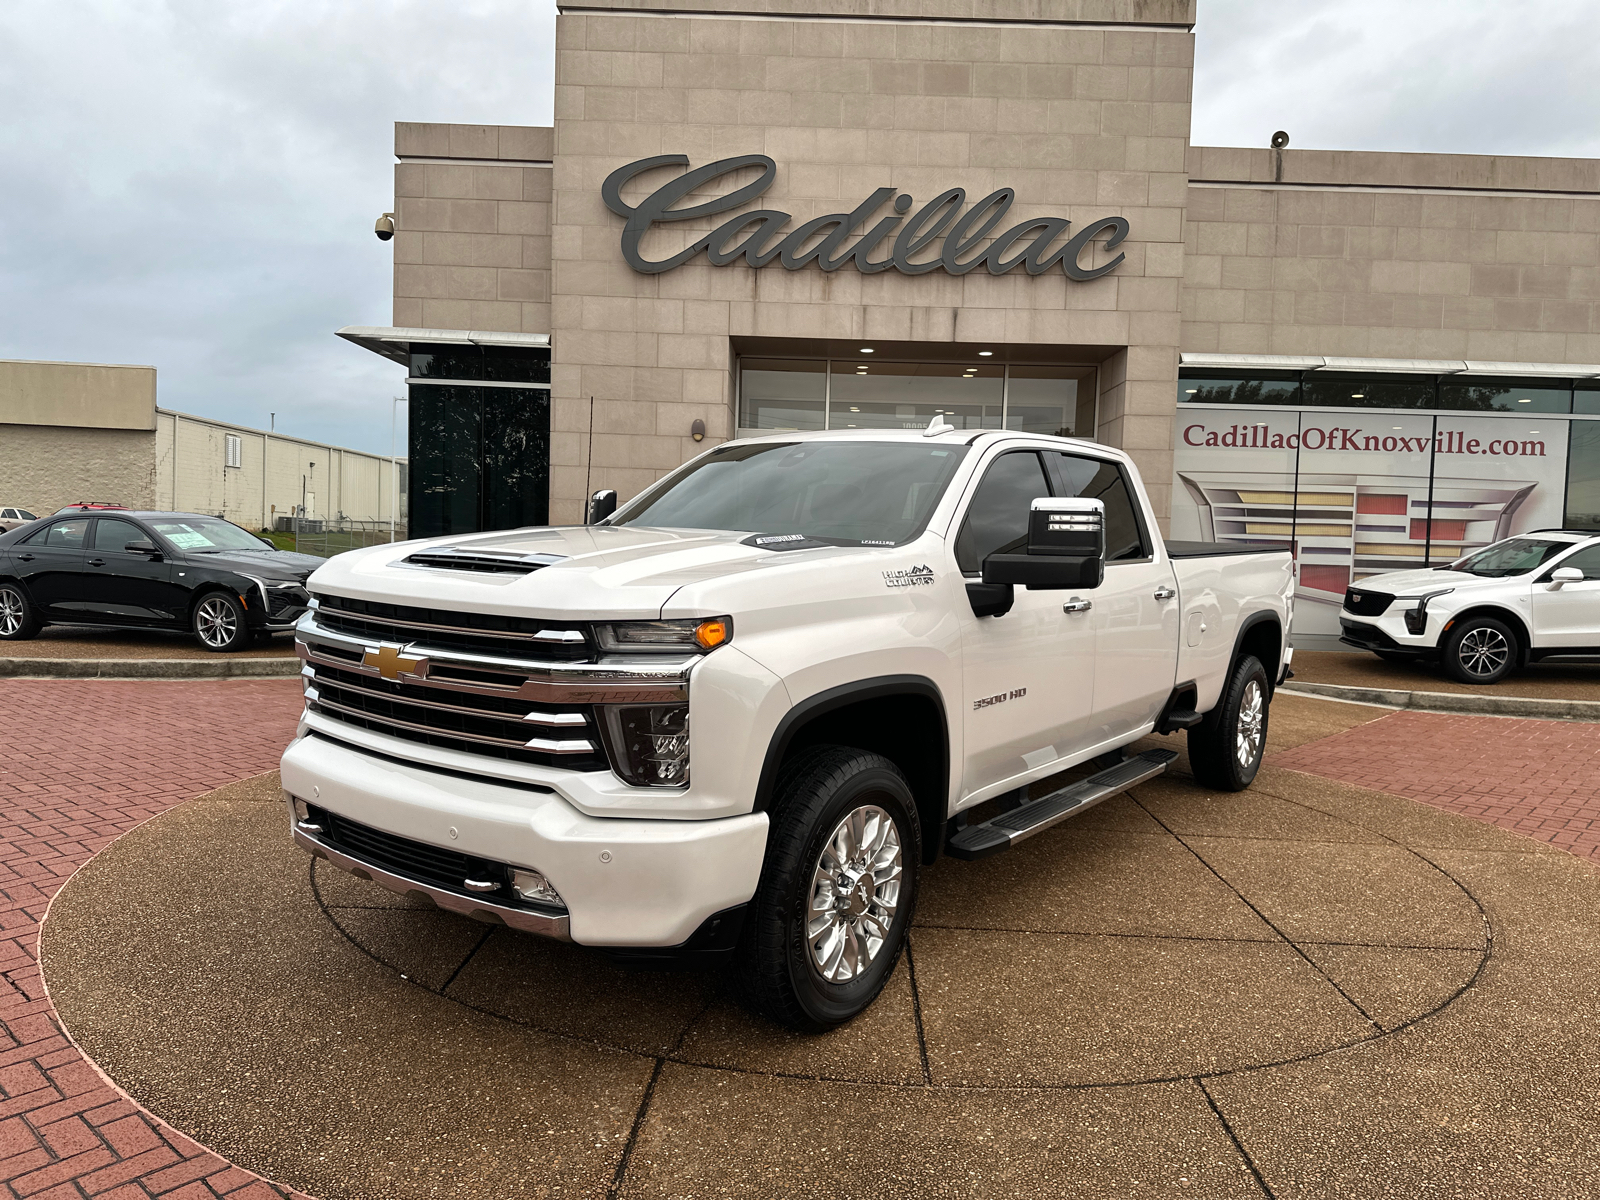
(327, 536)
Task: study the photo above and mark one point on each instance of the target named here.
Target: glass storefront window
(1586, 399)
(785, 395)
(446, 361)
(1283, 389)
(1332, 390)
(1504, 395)
(1583, 475)
(516, 457)
(446, 441)
(1050, 400)
(889, 395)
(860, 393)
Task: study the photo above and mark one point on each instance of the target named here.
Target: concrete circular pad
(1113, 1008)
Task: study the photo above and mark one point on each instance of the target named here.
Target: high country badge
(919, 576)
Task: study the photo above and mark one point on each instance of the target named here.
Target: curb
(1456, 702)
(149, 668)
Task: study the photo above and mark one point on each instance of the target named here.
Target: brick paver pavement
(1539, 778)
(82, 761)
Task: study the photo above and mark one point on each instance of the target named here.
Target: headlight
(648, 744)
(695, 634)
(1417, 618)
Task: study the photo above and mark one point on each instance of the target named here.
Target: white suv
(1521, 599)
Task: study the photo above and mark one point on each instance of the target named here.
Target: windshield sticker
(918, 576)
(186, 540)
(785, 541)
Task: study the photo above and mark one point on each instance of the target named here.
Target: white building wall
(275, 472)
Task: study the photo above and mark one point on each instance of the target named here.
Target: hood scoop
(452, 558)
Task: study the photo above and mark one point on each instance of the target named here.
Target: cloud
(192, 185)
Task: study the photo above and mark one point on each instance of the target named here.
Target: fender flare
(1262, 617)
(879, 687)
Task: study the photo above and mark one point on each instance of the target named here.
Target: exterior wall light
(985, 353)
(866, 349)
(698, 431)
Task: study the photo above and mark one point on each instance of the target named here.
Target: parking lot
(1311, 988)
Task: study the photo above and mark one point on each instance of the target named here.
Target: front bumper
(627, 882)
(1366, 635)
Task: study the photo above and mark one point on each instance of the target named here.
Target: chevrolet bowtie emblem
(391, 664)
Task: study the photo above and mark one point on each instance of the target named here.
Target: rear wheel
(219, 623)
(1226, 748)
(18, 620)
(1480, 650)
(837, 890)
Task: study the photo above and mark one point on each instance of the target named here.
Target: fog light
(301, 812)
(534, 888)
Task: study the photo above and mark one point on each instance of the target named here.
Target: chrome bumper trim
(468, 906)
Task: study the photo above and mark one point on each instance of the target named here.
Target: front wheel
(219, 623)
(18, 620)
(1226, 748)
(829, 918)
(1479, 650)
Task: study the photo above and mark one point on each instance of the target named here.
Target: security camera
(1280, 141)
(384, 227)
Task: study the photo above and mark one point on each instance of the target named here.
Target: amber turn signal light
(711, 634)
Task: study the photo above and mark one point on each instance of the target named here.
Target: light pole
(394, 465)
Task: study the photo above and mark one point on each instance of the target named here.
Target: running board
(1009, 828)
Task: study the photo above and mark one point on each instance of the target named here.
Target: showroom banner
(1360, 493)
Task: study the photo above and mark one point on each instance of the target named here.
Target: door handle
(97, 562)
(1076, 605)
(1166, 593)
(25, 558)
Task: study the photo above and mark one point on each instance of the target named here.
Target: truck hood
(564, 572)
(1416, 583)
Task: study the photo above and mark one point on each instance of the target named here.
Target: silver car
(10, 518)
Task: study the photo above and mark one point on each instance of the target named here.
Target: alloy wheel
(11, 610)
(216, 622)
(1483, 651)
(855, 891)
(1252, 718)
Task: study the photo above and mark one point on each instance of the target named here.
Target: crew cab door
(1027, 676)
(1135, 614)
(1569, 615)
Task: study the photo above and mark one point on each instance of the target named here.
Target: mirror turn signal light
(711, 634)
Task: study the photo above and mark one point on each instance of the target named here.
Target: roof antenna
(937, 426)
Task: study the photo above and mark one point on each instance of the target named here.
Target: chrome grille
(503, 727)
(471, 633)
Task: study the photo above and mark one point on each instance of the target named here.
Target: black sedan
(153, 570)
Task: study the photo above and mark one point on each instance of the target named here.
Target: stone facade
(46, 467)
(1421, 256)
(472, 236)
(1082, 122)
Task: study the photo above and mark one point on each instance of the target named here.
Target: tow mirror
(1564, 575)
(1066, 547)
(601, 505)
(142, 546)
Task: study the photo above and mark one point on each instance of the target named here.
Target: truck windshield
(1515, 556)
(844, 492)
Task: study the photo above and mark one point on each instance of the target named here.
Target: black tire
(1480, 650)
(19, 620)
(219, 624)
(1226, 748)
(776, 971)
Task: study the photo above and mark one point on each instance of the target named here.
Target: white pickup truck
(741, 712)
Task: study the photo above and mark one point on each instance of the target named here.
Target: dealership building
(779, 215)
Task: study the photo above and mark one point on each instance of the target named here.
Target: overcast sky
(192, 183)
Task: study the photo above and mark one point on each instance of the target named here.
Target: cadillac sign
(762, 235)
